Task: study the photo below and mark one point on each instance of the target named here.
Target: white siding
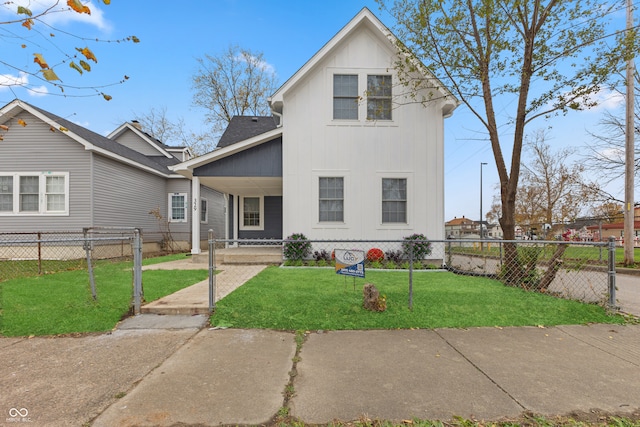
(36, 148)
(315, 145)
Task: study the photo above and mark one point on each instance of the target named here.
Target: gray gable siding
(124, 196)
(133, 141)
(215, 217)
(262, 160)
(35, 148)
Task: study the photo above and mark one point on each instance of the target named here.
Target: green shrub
(420, 245)
(297, 247)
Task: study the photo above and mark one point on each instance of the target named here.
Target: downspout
(275, 113)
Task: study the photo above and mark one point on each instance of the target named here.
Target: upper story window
(345, 97)
(34, 193)
(379, 97)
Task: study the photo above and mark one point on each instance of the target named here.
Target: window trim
(406, 201)
(260, 226)
(410, 199)
(204, 209)
(353, 98)
(42, 194)
(320, 221)
(374, 98)
(170, 217)
(363, 74)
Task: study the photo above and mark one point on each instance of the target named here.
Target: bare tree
(156, 123)
(235, 82)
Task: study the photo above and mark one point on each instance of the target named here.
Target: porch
(243, 255)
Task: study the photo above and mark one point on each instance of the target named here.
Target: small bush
(323, 263)
(391, 265)
(395, 256)
(420, 245)
(375, 264)
(375, 254)
(322, 255)
(297, 247)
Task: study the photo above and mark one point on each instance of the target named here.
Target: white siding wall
(410, 146)
(35, 148)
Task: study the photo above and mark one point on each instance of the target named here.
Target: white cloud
(607, 100)
(60, 15)
(8, 80)
(38, 91)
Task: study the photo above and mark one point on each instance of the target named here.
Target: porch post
(195, 215)
(236, 208)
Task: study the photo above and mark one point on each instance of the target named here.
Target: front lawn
(318, 299)
(61, 303)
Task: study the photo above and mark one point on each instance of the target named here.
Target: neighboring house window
(394, 200)
(203, 211)
(345, 97)
(252, 213)
(379, 97)
(6, 194)
(178, 207)
(331, 197)
(34, 193)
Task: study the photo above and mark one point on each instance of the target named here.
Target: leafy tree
(28, 27)
(156, 123)
(552, 190)
(233, 83)
(524, 59)
(609, 212)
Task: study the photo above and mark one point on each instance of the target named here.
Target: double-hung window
(394, 200)
(345, 97)
(37, 193)
(178, 207)
(379, 97)
(252, 213)
(331, 198)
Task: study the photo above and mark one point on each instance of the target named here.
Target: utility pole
(629, 208)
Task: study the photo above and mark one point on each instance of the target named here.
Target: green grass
(318, 299)
(61, 303)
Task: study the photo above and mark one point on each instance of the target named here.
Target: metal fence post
(87, 249)
(612, 273)
(137, 271)
(212, 273)
(410, 274)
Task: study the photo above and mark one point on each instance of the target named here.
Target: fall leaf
(24, 11)
(28, 23)
(75, 67)
(107, 2)
(24, 46)
(49, 74)
(39, 59)
(87, 53)
(1, 138)
(135, 39)
(4, 127)
(52, 129)
(84, 64)
(107, 97)
(78, 6)
(22, 122)
(63, 129)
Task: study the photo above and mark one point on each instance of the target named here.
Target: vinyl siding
(124, 196)
(35, 148)
(215, 205)
(133, 141)
(263, 160)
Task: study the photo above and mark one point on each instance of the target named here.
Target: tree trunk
(552, 269)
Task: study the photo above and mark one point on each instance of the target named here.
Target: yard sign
(349, 262)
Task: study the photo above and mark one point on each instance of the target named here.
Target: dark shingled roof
(160, 164)
(245, 127)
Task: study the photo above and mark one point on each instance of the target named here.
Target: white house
(346, 155)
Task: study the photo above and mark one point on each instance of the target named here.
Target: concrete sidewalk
(162, 377)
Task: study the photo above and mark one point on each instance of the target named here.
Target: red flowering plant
(375, 255)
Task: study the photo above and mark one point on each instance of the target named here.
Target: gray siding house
(59, 176)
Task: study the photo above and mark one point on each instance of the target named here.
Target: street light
(481, 164)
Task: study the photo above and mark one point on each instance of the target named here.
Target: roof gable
(90, 140)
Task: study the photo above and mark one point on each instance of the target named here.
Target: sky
(288, 32)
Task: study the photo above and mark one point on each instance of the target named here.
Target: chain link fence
(41, 253)
(573, 270)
